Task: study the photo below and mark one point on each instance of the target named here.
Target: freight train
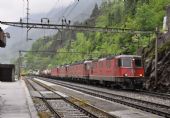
(121, 71)
(2, 38)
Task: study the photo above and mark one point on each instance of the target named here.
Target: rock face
(162, 84)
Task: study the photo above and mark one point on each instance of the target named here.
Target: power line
(75, 28)
(65, 11)
(72, 9)
(44, 51)
(56, 3)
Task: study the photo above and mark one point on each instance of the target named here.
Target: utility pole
(156, 54)
(27, 18)
(19, 65)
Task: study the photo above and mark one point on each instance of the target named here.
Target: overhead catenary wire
(56, 5)
(76, 27)
(23, 9)
(72, 9)
(63, 13)
(67, 9)
(45, 51)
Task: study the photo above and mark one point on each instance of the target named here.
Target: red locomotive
(2, 38)
(125, 71)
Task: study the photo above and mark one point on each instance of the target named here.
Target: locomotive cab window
(138, 62)
(126, 62)
(119, 62)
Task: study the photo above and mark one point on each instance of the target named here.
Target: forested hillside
(134, 14)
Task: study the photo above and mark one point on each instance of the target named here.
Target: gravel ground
(42, 109)
(49, 94)
(65, 110)
(37, 86)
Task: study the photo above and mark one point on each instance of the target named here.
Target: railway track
(68, 107)
(159, 109)
(155, 94)
(139, 92)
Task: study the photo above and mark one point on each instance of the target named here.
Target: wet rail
(56, 114)
(155, 94)
(71, 107)
(159, 109)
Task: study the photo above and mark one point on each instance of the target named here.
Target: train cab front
(131, 70)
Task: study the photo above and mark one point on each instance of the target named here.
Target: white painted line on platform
(61, 94)
(44, 82)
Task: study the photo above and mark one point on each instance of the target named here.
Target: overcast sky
(13, 10)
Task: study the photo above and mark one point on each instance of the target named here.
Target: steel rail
(111, 98)
(92, 115)
(155, 94)
(56, 114)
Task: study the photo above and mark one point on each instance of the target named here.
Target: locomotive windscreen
(138, 62)
(127, 62)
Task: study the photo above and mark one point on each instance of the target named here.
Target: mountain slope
(18, 41)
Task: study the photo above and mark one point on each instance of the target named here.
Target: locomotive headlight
(140, 75)
(125, 75)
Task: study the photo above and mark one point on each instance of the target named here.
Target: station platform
(15, 101)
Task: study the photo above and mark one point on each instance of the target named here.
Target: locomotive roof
(89, 61)
(95, 60)
(102, 59)
(76, 63)
(111, 57)
(120, 56)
